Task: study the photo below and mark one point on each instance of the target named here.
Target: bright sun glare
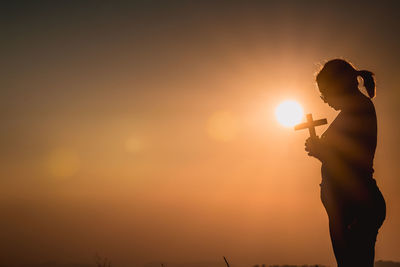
(289, 113)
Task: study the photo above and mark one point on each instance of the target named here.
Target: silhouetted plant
(100, 262)
(226, 261)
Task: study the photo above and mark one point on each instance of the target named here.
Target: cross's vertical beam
(311, 129)
(310, 124)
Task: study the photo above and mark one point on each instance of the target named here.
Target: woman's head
(337, 80)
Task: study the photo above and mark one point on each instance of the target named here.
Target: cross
(310, 124)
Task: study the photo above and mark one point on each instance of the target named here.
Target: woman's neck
(354, 101)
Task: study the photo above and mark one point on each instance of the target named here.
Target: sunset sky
(145, 132)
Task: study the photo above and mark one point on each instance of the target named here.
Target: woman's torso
(350, 142)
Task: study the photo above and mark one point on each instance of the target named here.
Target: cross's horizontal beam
(310, 125)
(305, 125)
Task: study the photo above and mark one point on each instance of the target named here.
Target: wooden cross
(310, 125)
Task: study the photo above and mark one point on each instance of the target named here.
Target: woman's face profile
(332, 100)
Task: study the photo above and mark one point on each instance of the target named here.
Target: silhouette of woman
(356, 208)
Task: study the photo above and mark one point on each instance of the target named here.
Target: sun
(289, 113)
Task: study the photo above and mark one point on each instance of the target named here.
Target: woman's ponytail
(369, 81)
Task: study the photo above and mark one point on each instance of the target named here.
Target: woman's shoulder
(359, 110)
(365, 105)
(362, 118)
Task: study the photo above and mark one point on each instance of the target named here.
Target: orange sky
(146, 132)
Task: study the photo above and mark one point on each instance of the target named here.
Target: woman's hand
(314, 147)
